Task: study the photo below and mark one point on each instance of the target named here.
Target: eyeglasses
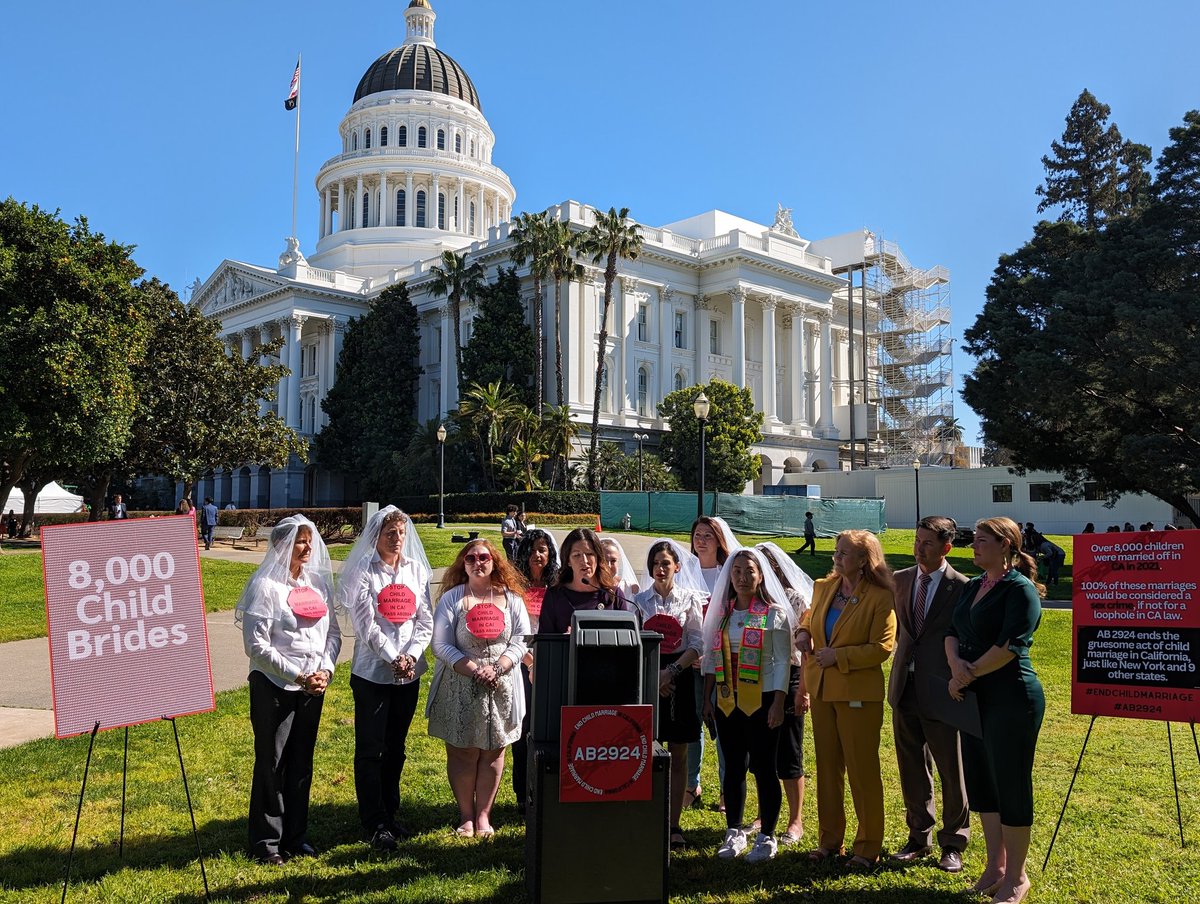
(481, 557)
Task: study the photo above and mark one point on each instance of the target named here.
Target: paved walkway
(25, 700)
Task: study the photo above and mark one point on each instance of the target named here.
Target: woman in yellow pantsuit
(849, 633)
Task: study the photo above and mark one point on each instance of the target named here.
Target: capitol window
(680, 380)
(441, 139)
(471, 209)
(366, 218)
(457, 143)
(383, 136)
(367, 139)
(420, 209)
(472, 147)
(643, 331)
(714, 337)
(643, 390)
(401, 204)
(680, 329)
(402, 137)
(441, 210)
(354, 142)
(422, 137)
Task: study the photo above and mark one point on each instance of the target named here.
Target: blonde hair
(875, 567)
(1005, 530)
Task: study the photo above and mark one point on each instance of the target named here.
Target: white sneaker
(765, 848)
(734, 844)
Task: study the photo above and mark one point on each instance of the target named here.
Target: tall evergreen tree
(372, 405)
(733, 427)
(1093, 174)
(501, 347)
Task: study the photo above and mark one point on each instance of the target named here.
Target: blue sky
(163, 122)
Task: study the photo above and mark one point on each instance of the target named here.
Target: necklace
(989, 582)
(473, 599)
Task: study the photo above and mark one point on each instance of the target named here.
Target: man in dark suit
(925, 599)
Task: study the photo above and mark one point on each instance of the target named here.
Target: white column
(666, 342)
(796, 371)
(624, 327)
(327, 213)
(264, 336)
(737, 296)
(432, 203)
(825, 425)
(357, 205)
(410, 202)
(700, 315)
(447, 356)
(382, 217)
(247, 344)
(281, 402)
(480, 231)
(770, 407)
(462, 208)
(341, 205)
(296, 327)
(496, 209)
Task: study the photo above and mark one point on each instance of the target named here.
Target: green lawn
(1119, 842)
(23, 600)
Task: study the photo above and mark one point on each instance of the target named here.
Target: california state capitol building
(844, 344)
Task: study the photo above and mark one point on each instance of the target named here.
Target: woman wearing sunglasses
(476, 700)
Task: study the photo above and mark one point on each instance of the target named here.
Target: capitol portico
(711, 296)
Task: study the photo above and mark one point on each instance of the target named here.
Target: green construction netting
(773, 515)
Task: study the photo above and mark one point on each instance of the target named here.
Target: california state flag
(294, 94)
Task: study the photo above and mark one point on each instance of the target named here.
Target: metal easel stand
(1079, 762)
(124, 786)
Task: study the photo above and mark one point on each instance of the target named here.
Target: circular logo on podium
(606, 753)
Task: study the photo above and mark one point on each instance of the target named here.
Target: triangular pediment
(235, 284)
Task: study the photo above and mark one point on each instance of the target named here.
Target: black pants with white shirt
(285, 735)
(383, 714)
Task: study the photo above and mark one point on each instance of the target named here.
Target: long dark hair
(604, 574)
(525, 549)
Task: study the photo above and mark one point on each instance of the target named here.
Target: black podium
(602, 851)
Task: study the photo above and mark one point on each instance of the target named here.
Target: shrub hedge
(558, 502)
(539, 519)
(332, 523)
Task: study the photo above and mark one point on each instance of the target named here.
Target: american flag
(294, 94)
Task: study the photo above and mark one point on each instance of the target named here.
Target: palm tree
(455, 278)
(489, 410)
(559, 430)
(563, 243)
(949, 431)
(531, 243)
(610, 238)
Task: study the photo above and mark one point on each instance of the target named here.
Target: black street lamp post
(441, 438)
(917, 484)
(641, 438)
(701, 407)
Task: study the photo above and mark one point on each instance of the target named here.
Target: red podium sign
(606, 753)
(1136, 649)
(128, 640)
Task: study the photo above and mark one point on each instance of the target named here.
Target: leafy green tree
(531, 242)
(456, 279)
(1093, 174)
(733, 427)
(1086, 345)
(488, 411)
(612, 237)
(373, 402)
(559, 431)
(72, 328)
(618, 471)
(563, 246)
(501, 347)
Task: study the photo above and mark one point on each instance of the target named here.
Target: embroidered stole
(747, 695)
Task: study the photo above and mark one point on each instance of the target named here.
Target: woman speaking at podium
(585, 582)
(293, 641)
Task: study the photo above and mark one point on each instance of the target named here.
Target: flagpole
(296, 156)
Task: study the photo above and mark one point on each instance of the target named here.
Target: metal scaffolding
(914, 376)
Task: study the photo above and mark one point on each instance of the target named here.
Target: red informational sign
(606, 753)
(1136, 650)
(307, 603)
(128, 640)
(533, 601)
(397, 603)
(485, 621)
(668, 626)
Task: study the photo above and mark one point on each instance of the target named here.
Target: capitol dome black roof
(419, 67)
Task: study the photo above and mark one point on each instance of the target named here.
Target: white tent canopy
(52, 499)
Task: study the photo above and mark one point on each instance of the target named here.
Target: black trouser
(746, 741)
(810, 543)
(520, 747)
(285, 735)
(382, 716)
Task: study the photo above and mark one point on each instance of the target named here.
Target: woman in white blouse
(293, 641)
(672, 606)
(476, 700)
(747, 658)
(385, 587)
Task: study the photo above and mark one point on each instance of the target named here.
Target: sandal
(860, 862)
(787, 839)
(678, 842)
(818, 855)
(486, 834)
(692, 798)
(466, 830)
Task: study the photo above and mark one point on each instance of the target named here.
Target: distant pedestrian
(230, 507)
(208, 521)
(810, 535)
(1089, 528)
(117, 511)
(10, 524)
(511, 532)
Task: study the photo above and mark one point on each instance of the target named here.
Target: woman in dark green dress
(988, 649)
